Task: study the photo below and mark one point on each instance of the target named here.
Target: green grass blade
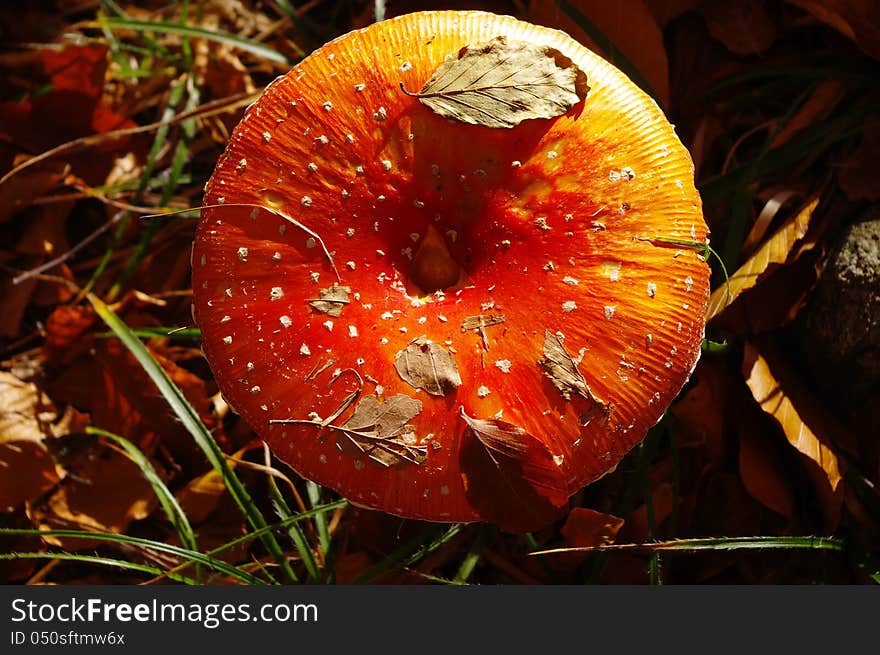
(633, 492)
(410, 553)
(193, 424)
(295, 531)
(104, 561)
(186, 88)
(159, 331)
(190, 556)
(314, 494)
(716, 543)
(280, 525)
(475, 552)
(258, 49)
(169, 503)
(152, 158)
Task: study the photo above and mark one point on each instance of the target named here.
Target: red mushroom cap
(440, 320)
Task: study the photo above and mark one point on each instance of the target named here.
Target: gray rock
(840, 326)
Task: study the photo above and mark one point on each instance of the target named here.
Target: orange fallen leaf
(858, 20)
(18, 192)
(773, 398)
(586, 527)
(775, 251)
(200, 497)
(762, 473)
(107, 493)
(743, 26)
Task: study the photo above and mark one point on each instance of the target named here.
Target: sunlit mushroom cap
(440, 320)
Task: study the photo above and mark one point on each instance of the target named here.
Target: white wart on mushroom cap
(483, 288)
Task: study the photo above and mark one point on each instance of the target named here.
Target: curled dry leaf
(562, 369)
(503, 82)
(775, 251)
(774, 399)
(333, 300)
(381, 430)
(513, 479)
(427, 365)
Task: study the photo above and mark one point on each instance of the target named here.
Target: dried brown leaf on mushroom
(503, 82)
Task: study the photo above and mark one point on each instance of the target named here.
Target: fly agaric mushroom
(442, 320)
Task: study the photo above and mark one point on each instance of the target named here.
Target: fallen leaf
(775, 400)
(858, 20)
(822, 101)
(19, 191)
(562, 370)
(775, 251)
(426, 365)
(27, 419)
(502, 83)
(201, 495)
(583, 528)
(856, 174)
(68, 333)
(380, 430)
(107, 493)
(586, 527)
(333, 300)
(512, 478)
(73, 108)
(743, 26)
(387, 419)
(631, 29)
(763, 472)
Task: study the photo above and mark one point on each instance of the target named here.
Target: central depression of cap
(562, 227)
